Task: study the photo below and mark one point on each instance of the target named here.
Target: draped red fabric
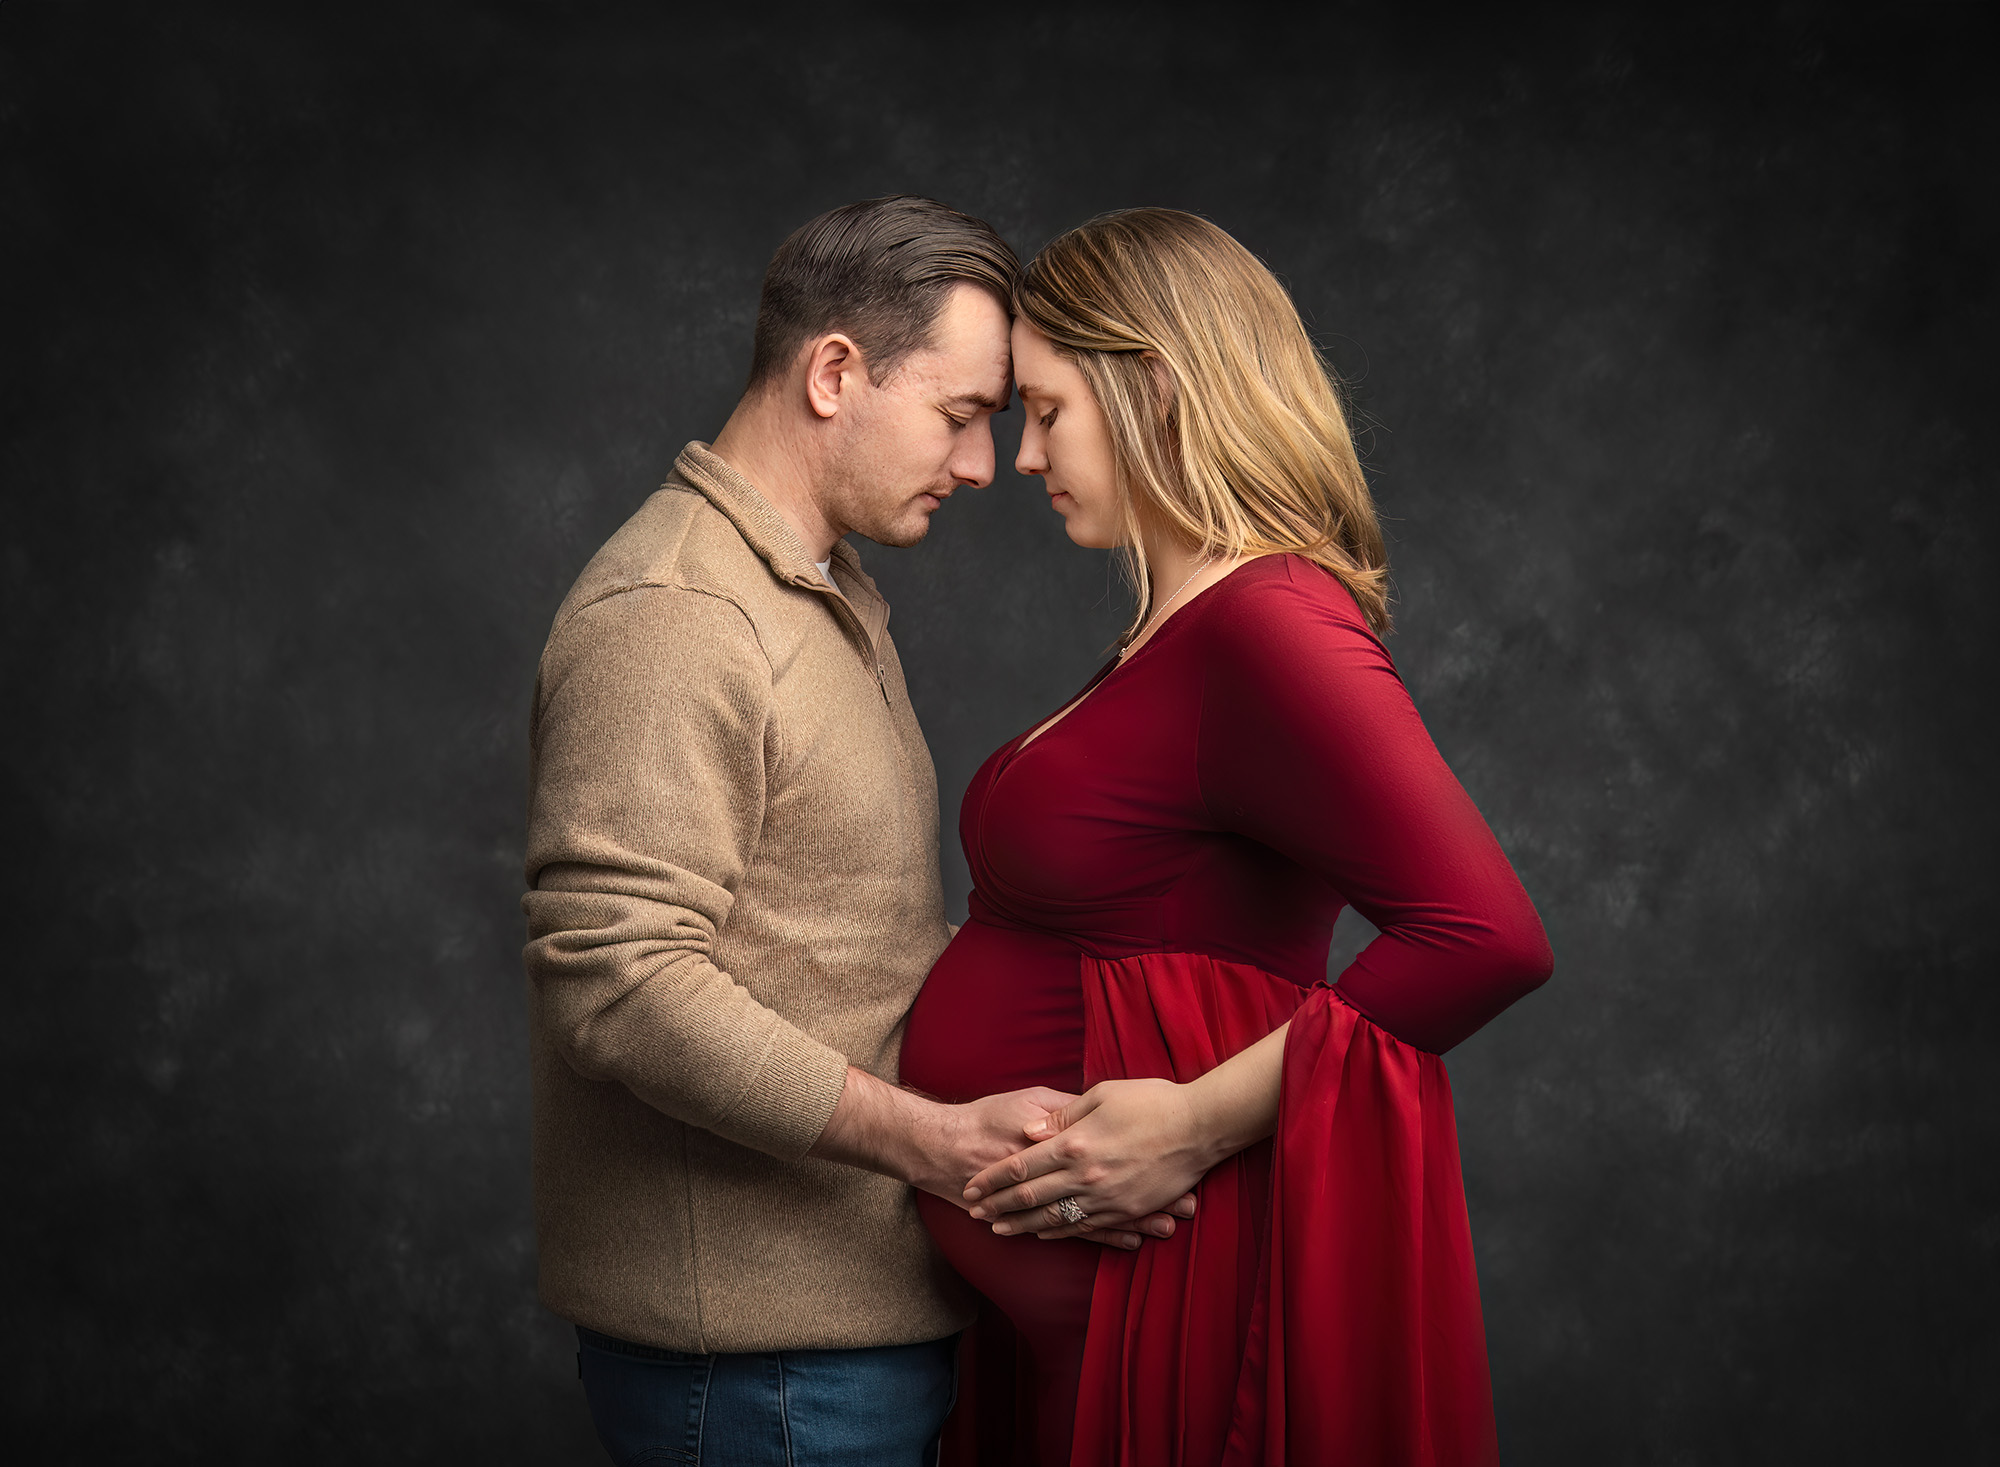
(1366, 1342)
(1322, 1305)
(1168, 1322)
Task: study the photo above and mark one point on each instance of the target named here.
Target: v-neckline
(1048, 725)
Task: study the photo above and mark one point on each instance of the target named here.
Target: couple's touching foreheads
(1113, 1173)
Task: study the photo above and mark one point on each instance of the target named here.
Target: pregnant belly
(1001, 1010)
(1044, 1290)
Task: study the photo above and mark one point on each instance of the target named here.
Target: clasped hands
(1129, 1152)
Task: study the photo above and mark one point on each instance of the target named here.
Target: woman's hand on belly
(1130, 1147)
(935, 1147)
(957, 1140)
(986, 1131)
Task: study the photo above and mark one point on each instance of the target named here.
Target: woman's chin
(1079, 529)
(1087, 539)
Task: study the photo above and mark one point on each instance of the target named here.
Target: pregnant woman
(1157, 869)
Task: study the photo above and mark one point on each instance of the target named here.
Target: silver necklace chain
(1162, 610)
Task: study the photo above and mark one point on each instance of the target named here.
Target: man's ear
(833, 366)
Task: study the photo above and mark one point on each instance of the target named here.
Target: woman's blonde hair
(1224, 420)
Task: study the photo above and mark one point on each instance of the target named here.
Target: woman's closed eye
(1048, 419)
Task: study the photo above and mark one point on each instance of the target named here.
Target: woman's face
(1066, 440)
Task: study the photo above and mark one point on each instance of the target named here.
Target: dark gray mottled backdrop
(335, 341)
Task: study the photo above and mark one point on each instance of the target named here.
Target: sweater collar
(765, 531)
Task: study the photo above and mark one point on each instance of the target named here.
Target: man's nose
(972, 465)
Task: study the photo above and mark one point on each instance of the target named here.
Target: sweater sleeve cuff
(788, 1102)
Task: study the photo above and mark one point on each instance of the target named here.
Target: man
(734, 894)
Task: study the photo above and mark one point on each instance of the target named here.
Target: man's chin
(899, 534)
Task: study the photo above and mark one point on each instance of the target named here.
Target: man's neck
(761, 445)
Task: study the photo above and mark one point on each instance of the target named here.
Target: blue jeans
(790, 1408)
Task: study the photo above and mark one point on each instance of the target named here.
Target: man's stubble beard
(895, 536)
(898, 526)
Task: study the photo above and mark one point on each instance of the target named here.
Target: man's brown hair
(879, 271)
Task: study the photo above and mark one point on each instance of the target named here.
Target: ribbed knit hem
(788, 1102)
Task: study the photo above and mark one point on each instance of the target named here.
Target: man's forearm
(880, 1128)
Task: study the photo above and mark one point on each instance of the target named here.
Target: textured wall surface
(336, 340)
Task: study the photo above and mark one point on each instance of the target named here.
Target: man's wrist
(928, 1127)
(882, 1128)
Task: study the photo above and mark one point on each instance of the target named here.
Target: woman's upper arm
(1310, 744)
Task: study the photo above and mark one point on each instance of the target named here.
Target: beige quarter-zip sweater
(733, 894)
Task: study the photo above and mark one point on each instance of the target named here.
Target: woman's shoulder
(1284, 597)
(1289, 648)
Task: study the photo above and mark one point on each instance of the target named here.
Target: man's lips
(938, 496)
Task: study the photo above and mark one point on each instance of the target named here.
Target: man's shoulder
(677, 541)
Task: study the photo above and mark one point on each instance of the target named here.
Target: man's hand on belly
(938, 1148)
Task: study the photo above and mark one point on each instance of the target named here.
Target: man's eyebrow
(980, 399)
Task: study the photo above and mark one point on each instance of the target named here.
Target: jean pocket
(647, 1408)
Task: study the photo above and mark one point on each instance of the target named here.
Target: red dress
(1155, 882)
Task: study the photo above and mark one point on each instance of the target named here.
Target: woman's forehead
(1039, 369)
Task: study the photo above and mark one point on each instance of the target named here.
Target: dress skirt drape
(1321, 1306)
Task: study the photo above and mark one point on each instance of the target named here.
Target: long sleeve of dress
(1309, 744)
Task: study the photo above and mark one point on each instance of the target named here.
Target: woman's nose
(1030, 460)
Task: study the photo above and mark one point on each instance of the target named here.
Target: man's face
(908, 443)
